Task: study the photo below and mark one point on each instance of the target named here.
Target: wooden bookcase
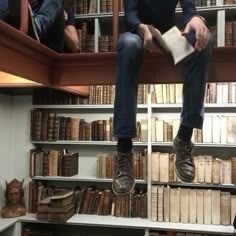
(54, 70)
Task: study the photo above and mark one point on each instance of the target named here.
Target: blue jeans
(49, 17)
(130, 54)
(3, 9)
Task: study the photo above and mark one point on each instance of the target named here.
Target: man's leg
(44, 16)
(192, 115)
(47, 15)
(3, 9)
(130, 52)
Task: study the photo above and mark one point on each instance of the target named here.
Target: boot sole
(124, 193)
(182, 178)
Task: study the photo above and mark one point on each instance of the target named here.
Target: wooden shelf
(137, 223)
(6, 223)
(79, 178)
(25, 57)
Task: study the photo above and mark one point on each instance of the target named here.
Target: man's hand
(197, 25)
(148, 43)
(65, 16)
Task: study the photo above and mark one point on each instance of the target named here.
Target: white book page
(178, 44)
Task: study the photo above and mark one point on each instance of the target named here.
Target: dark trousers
(3, 9)
(130, 53)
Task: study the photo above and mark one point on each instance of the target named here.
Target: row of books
(91, 6)
(155, 233)
(90, 200)
(166, 130)
(203, 3)
(106, 6)
(87, 40)
(229, 2)
(230, 33)
(220, 93)
(192, 206)
(58, 207)
(49, 96)
(105, 165)
(50, 126)
(27, 231)
(209, 169)
(53, 163)
(103, 94)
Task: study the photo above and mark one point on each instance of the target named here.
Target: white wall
(14, 141)
(6, 150)
(21, 144)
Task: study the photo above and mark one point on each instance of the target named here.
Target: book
(173, 43)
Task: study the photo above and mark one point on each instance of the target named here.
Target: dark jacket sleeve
(189, 10)
(131, 14)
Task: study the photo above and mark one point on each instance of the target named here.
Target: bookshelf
(148, 109)
(216, 12)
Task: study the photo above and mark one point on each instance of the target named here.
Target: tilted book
(173, 43)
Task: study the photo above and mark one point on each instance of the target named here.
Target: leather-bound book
(166, 204)
(184, 205)
(62, 198)
(200, 206)
(207, 203)
(154, 203)
(216, 170)
(160, 203)
(68, 129)
(155, 166)
(226, 171)
(233, 170)
(82, 130)
(225, 208)
(193, 206)
(172, 167)
(164, 167)
(70, 164)
(56, 128)
(50, 126)
(103, 6)
(44, 126)
(208, 169)
(215, 207)
(63, 215)
(43, 205)
(195, 160)
(75, 122)
(118, 205)
(175, 205)
(201, 169)
(36, 121)
(88, 134)
(62, 127)
(233, 210)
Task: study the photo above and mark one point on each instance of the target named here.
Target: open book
(172, 42)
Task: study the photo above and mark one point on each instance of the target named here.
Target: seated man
(131, 45)
(47, 23)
